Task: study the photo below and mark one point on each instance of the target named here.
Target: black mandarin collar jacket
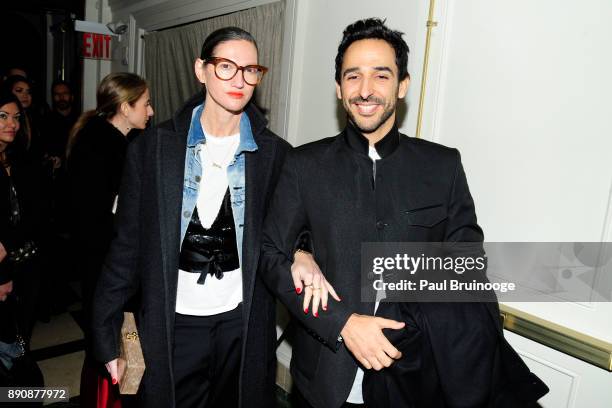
(358, 142)
(417, 192)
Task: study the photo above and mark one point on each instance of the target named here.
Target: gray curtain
(170, 55)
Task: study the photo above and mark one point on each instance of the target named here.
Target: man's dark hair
(61, 82)
(222, 35)
(374, 28)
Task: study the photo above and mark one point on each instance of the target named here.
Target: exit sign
(96, 46)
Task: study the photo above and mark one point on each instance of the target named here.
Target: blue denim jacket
(235, 173)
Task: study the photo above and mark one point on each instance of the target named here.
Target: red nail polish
(114, 381)
(316, 314)
(325, 308)
(306, 311)
(298, 290)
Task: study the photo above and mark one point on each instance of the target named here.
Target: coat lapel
(258, 167)
(171, 158)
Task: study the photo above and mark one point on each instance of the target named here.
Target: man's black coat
(417, 192)
(145, 252)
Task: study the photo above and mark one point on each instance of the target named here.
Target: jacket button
(380, 225)
(198, 178)
(187, 214)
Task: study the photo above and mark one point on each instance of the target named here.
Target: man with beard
(58, 123)
(372, 184)
(55, 131)
(60, 120)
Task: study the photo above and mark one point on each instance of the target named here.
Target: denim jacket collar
(196, 134)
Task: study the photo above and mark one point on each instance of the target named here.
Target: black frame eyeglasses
(226, 69)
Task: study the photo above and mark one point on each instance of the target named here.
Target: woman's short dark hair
(222, 35)
(374, 28)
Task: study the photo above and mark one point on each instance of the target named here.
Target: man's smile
(367, 108)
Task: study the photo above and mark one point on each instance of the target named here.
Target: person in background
(55, 131)
(36, 149)
(20, 212)
(59, 121)
(14, 70)
(21, 87)
(96, 152)
(17, 367)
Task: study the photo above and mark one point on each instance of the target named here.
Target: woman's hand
(111, 367)
(7, 287)
(5, 290)
(308, 278)
(2, 252)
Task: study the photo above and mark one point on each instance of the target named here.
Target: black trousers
(207, 354)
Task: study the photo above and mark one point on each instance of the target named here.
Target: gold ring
(308, 286)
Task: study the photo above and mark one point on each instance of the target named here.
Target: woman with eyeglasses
(188, 235)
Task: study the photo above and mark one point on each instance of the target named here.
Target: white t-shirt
(216, 295)
(356, 394)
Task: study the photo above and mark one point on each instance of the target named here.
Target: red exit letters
(96, 46)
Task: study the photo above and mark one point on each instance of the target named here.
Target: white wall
(526, 100)
(522, 89)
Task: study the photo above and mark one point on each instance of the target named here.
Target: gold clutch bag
(130, 366)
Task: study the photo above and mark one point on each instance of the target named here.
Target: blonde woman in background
(96, 151)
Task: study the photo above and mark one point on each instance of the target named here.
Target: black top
(25, 180)
(94, 170)
(8, 322)
(211, 250)
(55, 133)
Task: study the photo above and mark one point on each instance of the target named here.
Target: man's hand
(307, 277)
(364, 338)
(111, 367)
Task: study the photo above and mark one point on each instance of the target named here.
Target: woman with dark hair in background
(18, 254)
(32, 144)
(96, 151)
(21, 87)
(20, 211)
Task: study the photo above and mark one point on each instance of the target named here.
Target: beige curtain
(170, 55)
